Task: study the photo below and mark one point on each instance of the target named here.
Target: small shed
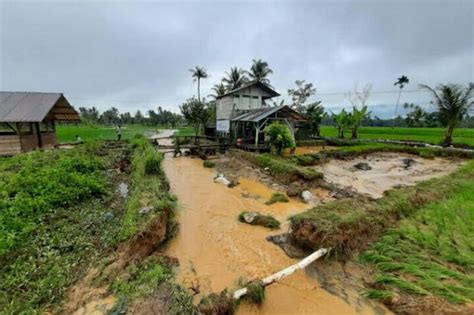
(250, 124)
(28, 120)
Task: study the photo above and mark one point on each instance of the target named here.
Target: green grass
(68, 132)
(430, 135)
(185, 132)
(56, 217)
(208, 164)
(277, 197)
(431, 252)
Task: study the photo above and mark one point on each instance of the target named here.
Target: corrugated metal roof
(35, 107)
(257, 115)
(252, 83)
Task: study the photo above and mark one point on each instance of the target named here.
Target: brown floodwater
(387, 171)
(215, 249)
(310, 149)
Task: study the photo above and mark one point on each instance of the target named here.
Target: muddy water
(310, 149)
(387, 171)
(215, 250)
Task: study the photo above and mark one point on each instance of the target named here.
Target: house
(244, 112)
(28, 120)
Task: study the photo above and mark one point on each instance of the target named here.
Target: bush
(208, 164)
(277, 197)
(263, 220)
(280, 137)
(152, 162)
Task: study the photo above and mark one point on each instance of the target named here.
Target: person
(118, 131)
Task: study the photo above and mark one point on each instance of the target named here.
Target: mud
(310, 149)
(215, 249)
(387, 170)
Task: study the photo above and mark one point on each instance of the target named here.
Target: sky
(137, 54)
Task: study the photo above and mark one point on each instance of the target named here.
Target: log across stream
(215, 250)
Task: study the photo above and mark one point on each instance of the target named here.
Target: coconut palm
(199, 73)
(235, 78)
(260, 71)
(219, 90)
(401, 81)
(453, 101)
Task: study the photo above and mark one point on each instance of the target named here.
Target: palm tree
(219, 90)
(199, 73)
(401, 81)
(453, 101)
(235, 78)
(260, 71)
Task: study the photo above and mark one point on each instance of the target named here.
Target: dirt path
(215, 250)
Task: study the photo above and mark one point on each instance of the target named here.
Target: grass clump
(221, 304)
(152, 162)
(255, 293)
(208, 164)
(277, 197)
(267, 221)
(430, 252)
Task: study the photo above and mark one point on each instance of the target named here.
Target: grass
(277, 197)
(185, 132)
(68, 132)
(431, 252)
(208, 164)
(56, 218)
(430, 135)
(349, 225)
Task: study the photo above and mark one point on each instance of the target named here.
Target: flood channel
(215, 250)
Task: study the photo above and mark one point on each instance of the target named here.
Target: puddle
(215, 250)
(387, 170)
(123, 190)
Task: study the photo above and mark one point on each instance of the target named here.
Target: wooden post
(38, 134)
(285, 272)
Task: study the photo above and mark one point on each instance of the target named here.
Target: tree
(196, 114)
(138, 117)
(416, 117)
(279, 137)
(454, 102)
(356, 119)
(341, 122)
(299, 95)
(110, 116)
(401, 81)
(199, 73)
(235, 78)
(315, 114)
(260, 71)
(219, 90)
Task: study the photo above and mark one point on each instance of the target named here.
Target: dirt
(309, 149)
(387, 170)
(215, 249)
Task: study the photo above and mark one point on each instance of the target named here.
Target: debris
(255, 218)
(307, 196)
(292, 192)
(408, 162)
(285, 242)
(363, 166)
(221, 179)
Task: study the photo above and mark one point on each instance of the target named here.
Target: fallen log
(285, 272)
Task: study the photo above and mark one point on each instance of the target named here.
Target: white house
(249, 97)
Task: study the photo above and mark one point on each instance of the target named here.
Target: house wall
(10, 145)
(30, 141)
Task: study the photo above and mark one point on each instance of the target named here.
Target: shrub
(152, 162)
(208, 164)
(277, 197)
(280, 137)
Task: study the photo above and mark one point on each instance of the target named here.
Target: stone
(249, 217)
(363, 166)
(292, 192)
(307, 196)
(222, 180)
(145, 210)
(285, 242)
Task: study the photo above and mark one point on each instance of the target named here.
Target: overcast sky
(136, 54)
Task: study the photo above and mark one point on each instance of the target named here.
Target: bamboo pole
(285, 272)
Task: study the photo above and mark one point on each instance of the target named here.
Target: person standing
(118, 131)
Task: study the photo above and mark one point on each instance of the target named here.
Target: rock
(292, 192)
(109, 216)
(286, 244)
(307, 196)
(266, 169)
(249, 217)
(408, 162)
(221, 179)
(363, 166)
(145, 210)
(250, 195)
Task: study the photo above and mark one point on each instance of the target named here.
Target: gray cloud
(136, 55)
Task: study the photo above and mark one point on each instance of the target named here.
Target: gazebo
(27, 120)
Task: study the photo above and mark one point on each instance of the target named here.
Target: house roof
(35, 107)
(258, 84)
(257, 115)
